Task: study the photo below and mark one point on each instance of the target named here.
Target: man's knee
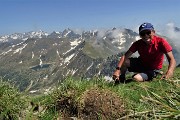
(140, 77)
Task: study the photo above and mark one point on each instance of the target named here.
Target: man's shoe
(117, 82)
(122, 79)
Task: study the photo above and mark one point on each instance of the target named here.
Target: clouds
(172, 32)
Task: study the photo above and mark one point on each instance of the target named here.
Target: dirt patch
(93, 104)
(98, 103)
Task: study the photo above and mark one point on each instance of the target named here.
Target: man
(151, 49)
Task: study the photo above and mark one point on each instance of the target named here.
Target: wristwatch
(118, 68)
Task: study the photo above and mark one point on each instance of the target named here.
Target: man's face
(147, 35)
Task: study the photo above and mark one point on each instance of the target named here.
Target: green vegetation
(11, 102)
(95, 99)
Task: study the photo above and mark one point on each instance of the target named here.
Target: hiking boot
(117, 82)
(122, 79)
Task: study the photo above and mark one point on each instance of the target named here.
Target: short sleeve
(166, 47)
(133, 47)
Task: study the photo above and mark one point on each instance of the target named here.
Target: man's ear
(153, 31)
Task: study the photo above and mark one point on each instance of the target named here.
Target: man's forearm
(121, 61)
(172, 65)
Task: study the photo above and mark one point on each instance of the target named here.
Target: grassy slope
(95, 51)
(159, 99)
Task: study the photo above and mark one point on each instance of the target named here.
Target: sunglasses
(145, 33)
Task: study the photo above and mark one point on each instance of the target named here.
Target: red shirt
(152, 55)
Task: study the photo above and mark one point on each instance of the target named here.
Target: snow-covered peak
(70, 33)
(23, 36)
(37, 34)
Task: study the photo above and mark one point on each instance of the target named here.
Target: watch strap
(118, 68)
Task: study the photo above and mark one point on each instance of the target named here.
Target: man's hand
(168, 75)
(116, 75)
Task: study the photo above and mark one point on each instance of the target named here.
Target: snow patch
(55, 44)
(17, 44)
(58, 54)
(67, 60)
(67, 33)
(32, 55)
(75, 43)
(24, 38)
(4, 53)
(90, 66)
(20, 49)
(40, 62)
(120, 47)
(46, 77)
(74, 71)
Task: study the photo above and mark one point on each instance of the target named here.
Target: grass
(11, 102)
(96, 99)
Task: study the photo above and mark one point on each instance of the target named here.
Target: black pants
(137, 66)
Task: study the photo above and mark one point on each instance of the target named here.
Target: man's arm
(171, 67)
(122, 64)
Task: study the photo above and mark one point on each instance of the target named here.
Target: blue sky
(57, 15)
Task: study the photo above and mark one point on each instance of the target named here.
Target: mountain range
(37, 61)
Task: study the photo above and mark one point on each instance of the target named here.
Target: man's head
(146, 31)
(145, 26)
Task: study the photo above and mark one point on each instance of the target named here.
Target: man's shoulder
(137, 41)
(163, 43)
(158, 38)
